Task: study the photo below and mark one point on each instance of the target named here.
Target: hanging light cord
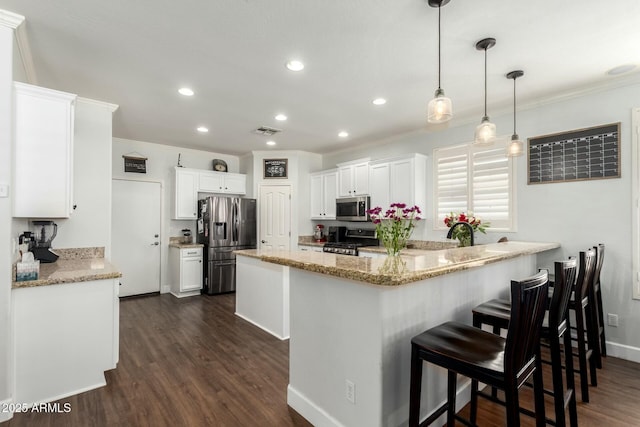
(485, 82)
(514, 105)
(439, 67)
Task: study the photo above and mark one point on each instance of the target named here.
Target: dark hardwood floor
(192, 362)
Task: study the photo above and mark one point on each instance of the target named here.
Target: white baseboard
(312, 413)
(5, 415)
(262, 327)
(622, 351)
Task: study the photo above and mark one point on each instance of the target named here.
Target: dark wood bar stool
(486, 357)
(597, 308)
(555, 328)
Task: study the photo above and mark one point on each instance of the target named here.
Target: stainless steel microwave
(353, 209)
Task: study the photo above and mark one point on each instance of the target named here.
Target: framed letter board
(275, 168)
(592, 153)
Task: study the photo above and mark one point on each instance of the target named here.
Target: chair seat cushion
(499, 308)
(464, 349)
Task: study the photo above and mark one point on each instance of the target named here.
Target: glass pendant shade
(485, 132)
(439, 110)
(515, 147)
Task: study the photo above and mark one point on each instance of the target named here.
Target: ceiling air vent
(266, 130)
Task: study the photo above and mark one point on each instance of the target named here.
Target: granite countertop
(185, 245)
(393, 271)
(74, 265)
(414, 247)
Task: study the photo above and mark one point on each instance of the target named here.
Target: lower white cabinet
(185, 265)
(310, 248)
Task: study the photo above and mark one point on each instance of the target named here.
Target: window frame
(469, 149)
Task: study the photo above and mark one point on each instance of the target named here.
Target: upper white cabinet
(324, 187)
(399, 180)
(222, 182)
(353, 178)
(190, 182)
(43, 180)
(186, 195)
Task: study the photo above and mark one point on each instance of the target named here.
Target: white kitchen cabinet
(399, 180)
(324, 188)
(186, 194)
(353, 178)
(222, 182)
(43, 131)
(185, 264)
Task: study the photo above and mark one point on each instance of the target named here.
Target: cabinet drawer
(191, 252)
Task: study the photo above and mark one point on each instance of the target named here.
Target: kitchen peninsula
(352, 320)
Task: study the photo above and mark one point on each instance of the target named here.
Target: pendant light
(439, 110)
(515, 147)
(486, 131)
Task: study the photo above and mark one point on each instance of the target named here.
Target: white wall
(90, 223)
(576, 214)
(161, 160)
(6, 257)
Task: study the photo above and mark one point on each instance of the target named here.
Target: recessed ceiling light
(185, 91)
(271, 143)
(343, 134)
(621, 69)
(295, 65)
(379, 101)
(281, 117)
(202, 129)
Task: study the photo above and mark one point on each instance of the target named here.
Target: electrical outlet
(351, 392)
(612, 319)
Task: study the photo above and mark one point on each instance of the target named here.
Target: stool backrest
(528, 305)
(565, 277)
(585, 274)
(599, 261)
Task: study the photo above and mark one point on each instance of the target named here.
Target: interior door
(275, 217)
(136, 235)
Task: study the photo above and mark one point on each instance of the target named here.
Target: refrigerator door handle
(234, 235)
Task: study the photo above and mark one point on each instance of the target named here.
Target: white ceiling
(232, 53)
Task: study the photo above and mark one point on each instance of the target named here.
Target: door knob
(263, 241)
(155, 235)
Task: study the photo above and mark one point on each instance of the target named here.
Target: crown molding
(17, 23)
(107, 105)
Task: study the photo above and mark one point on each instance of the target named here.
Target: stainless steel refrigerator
(225, 224)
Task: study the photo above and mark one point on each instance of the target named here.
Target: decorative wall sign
(275, 168)
(592, 153)
(134, 162)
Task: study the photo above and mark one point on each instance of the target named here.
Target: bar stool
(486, 357)
(554, 328)
(597, 308)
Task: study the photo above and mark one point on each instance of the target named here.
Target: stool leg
(512, 404)
(538, 392)
(571, 383)
(451, 399)
(415, 387)
(474, 402)
(582, 357)
(556, 374)
(592, 341)
(603, 340)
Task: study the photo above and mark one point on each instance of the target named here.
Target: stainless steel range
(354, 239)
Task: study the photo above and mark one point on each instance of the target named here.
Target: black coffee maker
(42, 234)
(336, 234)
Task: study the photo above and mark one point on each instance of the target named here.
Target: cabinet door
(401, 182)
(211, 182)
(316, 196)
(186, 204)
(191, 273)
(379, 183)
(361, 179)
(345, 181)
(330, 188)
(235, 184)
(43, 152)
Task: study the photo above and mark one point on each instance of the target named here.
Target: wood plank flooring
(192, 362)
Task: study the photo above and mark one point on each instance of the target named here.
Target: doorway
(275, 217)
(136, 216)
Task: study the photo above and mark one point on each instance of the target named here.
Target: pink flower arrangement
(395, 226)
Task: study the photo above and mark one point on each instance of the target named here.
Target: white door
(136, 235)
(275, 217)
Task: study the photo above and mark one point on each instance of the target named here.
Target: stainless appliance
(353, 209)
(42, 234)
(336, 234)
(225, 224)
(354, 239)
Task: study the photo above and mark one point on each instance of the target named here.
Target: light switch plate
(4, 190)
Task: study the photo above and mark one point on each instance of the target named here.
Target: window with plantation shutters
(476, 179)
